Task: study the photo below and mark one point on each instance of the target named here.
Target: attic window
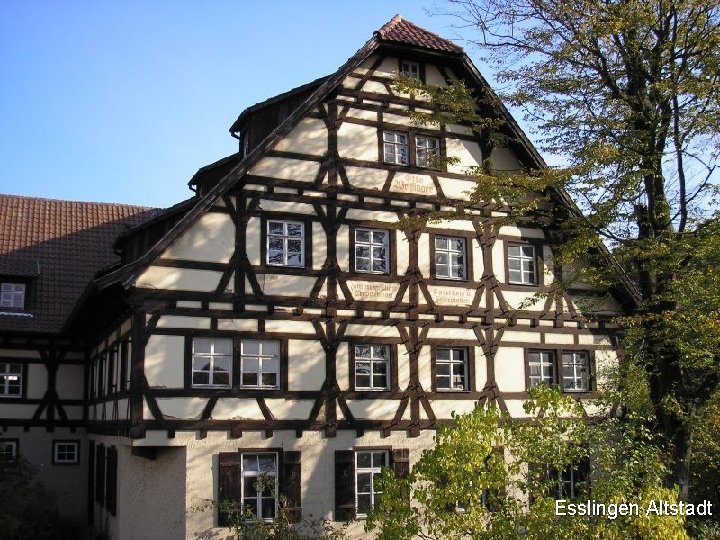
(12, 295)
(410, 69)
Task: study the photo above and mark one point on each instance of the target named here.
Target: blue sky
(122, 101)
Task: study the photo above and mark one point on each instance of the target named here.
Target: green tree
(627, 94)
(495, 477)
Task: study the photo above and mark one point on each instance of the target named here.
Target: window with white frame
(542, 367)
(11, 380)
(212, 360)
(425, 149)
(285, 243)
(12, 295)
(522, 264)
(368, 468)
(8, 450)
(260, 485)
(575, 371)
(372, 253)
(395, 148)
(410, 69)
(372, 367)
(260, 363)
(451, 368)
(66, 452)
(450, 258)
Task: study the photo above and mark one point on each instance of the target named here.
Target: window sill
(4, 312)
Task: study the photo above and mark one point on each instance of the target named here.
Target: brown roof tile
(402, 31)
(65, 243)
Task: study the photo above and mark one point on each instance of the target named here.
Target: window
(575, 371)
(372, 253)
(522, 264)
(212, 361)
(255, 481)
(12, 295)
(425, 149)
(8, 451)
(395, 148)
(260, 363)
(66, 452)
(368, 467)
(372, 367)
(11, 380)
(285, 243)
(542, 367)
(450, 258)
(410, 69)
(451, 369)
(259, 485)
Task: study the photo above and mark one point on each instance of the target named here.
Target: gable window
(8, 451)
(450, 262)
(11, 380)
(575, 371)
(368, 468)
(410, 69)
(372, 253)
(285, 243)
(522, 264)
(372, 367)
(260, 363)
(542, 367)
(425, 149)
(66, 452)
(212, 360)
(451, 369)
(395, 148)
(12, 295)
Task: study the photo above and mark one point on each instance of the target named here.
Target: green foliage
(27, 510)
(494, 477)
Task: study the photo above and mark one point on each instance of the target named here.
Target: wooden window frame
(10, 398)
(420, 65)
(557, 367)
(73, 442)
(392, 371)
(467, 246)
(14, 282)
(211, 355)
(386, 451)
(588, 367)
(411, 135)
(16, 452)
(235, 387)
(391, 247)
(469, 371)
(539, 263)
(306, 239)
(260, 386)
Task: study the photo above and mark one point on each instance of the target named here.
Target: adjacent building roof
(56, 247)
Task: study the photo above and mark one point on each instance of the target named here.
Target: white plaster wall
(70, 381)
(36, 381)
(468, 152)
(319, 246)
(182, 408)
(211, 238)
(165, 361)
(424, 254)
(520, 336)
(454, 188)
(175, 321)
(237, 409)
(372, 215)
(371, 330)
(373, 409)
(424, 371)
(343, 247)
(503, 159)
(298, 170)
(451, 333)
(527, 300)
(290, 327)
(477, 259)
(239, 325)
(18, 410)
(362, 114)
(558, 339)
(498, 261)
(177, 279)
(365, 177)
(402, 257)
(308, 137)
(433, 75)
(375, 87)
(253, 236)
(357, 142)
(444, 408)
(287, 206)
(510, 369)
(306, 365)
(286, 285)
(342, 366)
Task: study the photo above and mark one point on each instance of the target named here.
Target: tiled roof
(402, 31)
(58, 246)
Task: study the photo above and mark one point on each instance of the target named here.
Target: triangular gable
(396, 31)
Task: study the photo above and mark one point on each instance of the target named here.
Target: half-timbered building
(279, 323)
